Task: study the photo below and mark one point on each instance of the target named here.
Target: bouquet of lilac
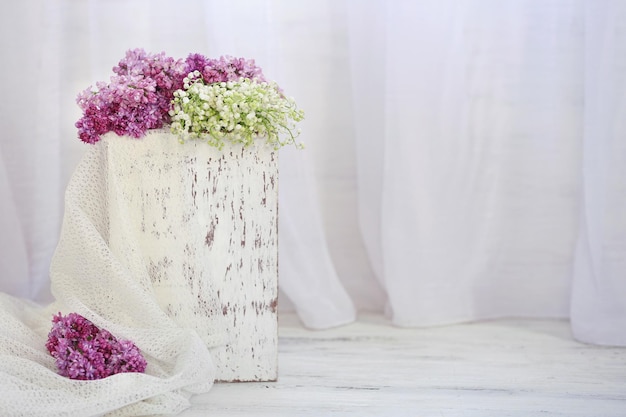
(199, 98)
(84, 351)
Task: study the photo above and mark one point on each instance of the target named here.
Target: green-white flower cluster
(234, 111)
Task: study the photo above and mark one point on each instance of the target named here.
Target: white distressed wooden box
(206, 221)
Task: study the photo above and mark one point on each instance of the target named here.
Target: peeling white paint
(206, 221)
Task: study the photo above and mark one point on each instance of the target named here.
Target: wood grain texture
(206, 223)
(521, 368)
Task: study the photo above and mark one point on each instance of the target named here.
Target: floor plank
(369, 368)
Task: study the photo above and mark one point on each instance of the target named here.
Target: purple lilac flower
(225, 68)
(137, 99)
(83, 351)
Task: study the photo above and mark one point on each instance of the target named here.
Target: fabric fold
(111, 287)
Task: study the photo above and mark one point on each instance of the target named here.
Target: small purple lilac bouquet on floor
(216, 100)
(83, 351)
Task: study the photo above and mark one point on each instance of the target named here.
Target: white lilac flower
(234, 111)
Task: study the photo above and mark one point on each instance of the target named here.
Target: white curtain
(31, 189)
(470, 154)
(598, 310)
(465, 158)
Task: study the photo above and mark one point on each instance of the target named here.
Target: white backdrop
(465, 158)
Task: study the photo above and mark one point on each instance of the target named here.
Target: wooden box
(206, 222)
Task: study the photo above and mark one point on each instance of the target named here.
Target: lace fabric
(99, 272)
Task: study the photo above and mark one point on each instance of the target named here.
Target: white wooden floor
(498, 368)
